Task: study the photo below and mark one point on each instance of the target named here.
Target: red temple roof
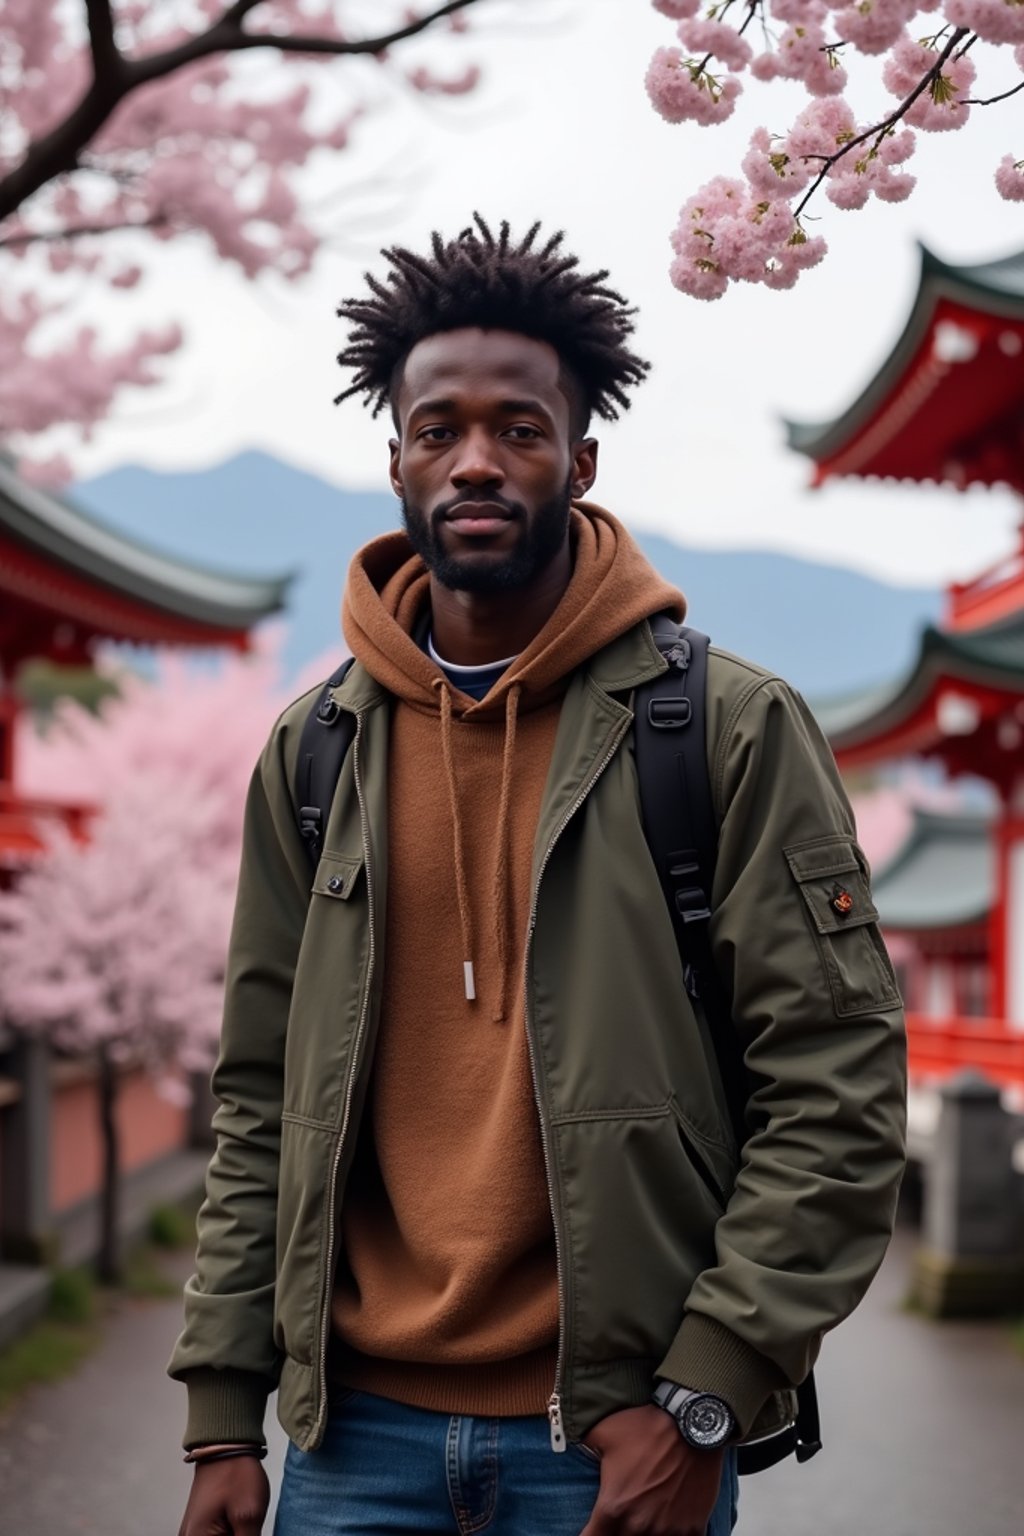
(66, 581)
(948, 402)
(962, 702)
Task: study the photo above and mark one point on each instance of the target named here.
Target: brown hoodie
(446, 1295)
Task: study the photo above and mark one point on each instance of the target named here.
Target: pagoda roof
(943, 877)
(62, 564)
(962, 682)
(948, 402)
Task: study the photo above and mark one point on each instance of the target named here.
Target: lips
(477, 518)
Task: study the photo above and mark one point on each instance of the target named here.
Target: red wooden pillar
(8, 715)
(1007, 931)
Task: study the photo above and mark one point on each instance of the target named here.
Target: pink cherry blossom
(873, 26)
(728, 232)
(680, 91)
(771, 168)
(800, 12)
(702, 36)
(802, 54)
(115, 946)
(432, 84)
(1010, 179)
(939, 106)
(677, 9)
(753, 232)
(205, 148)
(998, 21)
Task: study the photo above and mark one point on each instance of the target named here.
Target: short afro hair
(480, 280)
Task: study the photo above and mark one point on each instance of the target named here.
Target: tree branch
(883, 127)
(106, 59)
(58, 150)
(76, 231)
(228, 36)
(990, 101)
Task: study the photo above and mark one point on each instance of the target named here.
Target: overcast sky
(562, 131)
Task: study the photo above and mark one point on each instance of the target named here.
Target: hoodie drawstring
(502, 894)
(500, 889)
(462, 893)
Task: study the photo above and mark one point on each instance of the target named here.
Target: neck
(471, 629)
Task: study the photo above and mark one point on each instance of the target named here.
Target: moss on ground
(72, 1326)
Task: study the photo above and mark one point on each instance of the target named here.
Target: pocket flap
(336, 876)
(831, 875)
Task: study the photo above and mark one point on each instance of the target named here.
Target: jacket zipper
(350, 1084)
(558, 1438)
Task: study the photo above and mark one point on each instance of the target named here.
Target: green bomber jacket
(678, 1255)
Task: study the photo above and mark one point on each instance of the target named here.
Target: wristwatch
(704, 1420)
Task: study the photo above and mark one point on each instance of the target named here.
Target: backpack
(682, 835)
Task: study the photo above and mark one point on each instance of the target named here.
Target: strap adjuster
(692, 904)
(669, 714)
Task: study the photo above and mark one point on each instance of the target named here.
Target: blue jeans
(384, 1468)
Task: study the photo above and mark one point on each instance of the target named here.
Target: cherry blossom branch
(102, 46)
(27, 237)
(879, 130)
(58, 151)
(228, 36)
(990, 101)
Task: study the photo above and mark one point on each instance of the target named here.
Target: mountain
(828, 630)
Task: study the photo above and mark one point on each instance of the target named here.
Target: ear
(394, 471)
(584, 466)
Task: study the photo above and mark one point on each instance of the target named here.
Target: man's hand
(651, 1480)
(228, 1498)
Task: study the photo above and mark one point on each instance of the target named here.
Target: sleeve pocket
(831, 875)
(336, 876)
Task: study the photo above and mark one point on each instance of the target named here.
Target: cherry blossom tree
(115, 946)
(931, 55)
(147, 116)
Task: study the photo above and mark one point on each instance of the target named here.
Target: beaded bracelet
(198, 1459)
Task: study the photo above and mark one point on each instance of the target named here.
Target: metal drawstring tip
(467, 971)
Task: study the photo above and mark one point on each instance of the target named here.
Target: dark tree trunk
(109, 1264)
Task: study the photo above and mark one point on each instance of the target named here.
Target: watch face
(706, 1422)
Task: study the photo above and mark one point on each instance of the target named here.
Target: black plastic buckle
(309, 823)
(669, 714)
(692, 905)
(328, 712)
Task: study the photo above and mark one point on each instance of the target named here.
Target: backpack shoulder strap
(682, 831)
(676, 805)
(327, 733)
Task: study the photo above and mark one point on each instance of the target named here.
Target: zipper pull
(557, 1427)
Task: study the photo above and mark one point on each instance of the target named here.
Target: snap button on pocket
(335, 883)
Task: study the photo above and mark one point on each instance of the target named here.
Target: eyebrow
(524, 407)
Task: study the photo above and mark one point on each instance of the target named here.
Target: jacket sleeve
(226, 1353)
(796, 943)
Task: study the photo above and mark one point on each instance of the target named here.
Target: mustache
(482, 499)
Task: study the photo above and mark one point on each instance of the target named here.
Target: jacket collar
(631, 659)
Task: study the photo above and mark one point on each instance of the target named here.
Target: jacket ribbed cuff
(708, 1357)
(225, 1407)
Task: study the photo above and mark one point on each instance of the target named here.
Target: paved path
(923, 1429)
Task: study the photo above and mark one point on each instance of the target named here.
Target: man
(476, 1206)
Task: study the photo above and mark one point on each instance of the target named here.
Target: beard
(540, 539)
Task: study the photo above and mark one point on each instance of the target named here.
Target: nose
(477, 462)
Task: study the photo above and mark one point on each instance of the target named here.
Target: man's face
(485, 466)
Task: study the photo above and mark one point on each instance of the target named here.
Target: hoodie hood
(613, 587)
